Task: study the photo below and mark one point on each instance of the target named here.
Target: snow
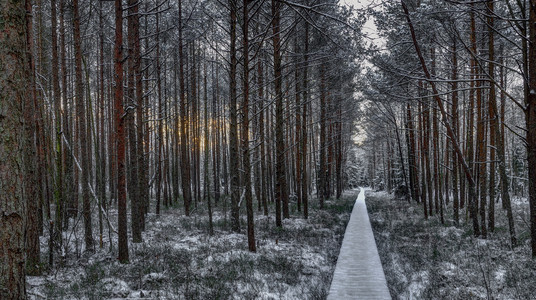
(359, 272)
(425, 259)
(178, 259)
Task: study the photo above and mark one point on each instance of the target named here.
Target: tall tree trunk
(160, 138)
(120, 135)
(143, 188)
(68, 151)
(505, 193)
(413, 170)
(15, 97)
(133, 168)
(531, 124)
(305, 100)
(59, 187)
(492, 112)
(246, 164)
(206, 153)
(32, 182)
(233, 125)
(185, 159)
(322, 140)
(454, 113)
(82, 128)
(281, 184)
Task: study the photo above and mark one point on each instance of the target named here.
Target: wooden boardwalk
(359, 272)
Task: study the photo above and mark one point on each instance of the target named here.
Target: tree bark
(281, 184)
(233, 125)
(120, 135)
(14, 99)
(246, 163)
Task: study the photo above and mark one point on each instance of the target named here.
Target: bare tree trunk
(133, 169)
(59, 187)
(246, 163)
(233, 126)
(322, 140)
(81, 112)
(454, 112)
(531, 124)
(160, 138)
(281, 184)
(120, 135)
(305, 100)
(206, 153)
(15, 97)
(185, 159)
(32, 182)
(492, 113)
(413, 170)
(505, 193)
(68, 151)
(423, 159)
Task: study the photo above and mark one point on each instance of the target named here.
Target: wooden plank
(359, 272)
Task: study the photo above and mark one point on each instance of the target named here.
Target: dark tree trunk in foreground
(14, 95)
(120, 135)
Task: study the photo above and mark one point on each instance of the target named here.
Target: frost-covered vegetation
(428, 260)
(178, 259)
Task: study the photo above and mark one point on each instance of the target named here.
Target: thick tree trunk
(14, 99)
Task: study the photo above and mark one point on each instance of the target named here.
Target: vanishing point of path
(359, 272)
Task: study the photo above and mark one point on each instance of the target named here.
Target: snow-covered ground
(428, 260)
(178, 259)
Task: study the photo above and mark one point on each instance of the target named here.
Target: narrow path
(359, 272)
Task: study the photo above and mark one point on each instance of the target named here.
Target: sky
(369, 27)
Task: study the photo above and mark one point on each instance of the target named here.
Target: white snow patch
(115, 287)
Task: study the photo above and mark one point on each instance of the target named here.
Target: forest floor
(429, 260)
(178, 259)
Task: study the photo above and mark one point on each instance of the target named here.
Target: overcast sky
(369, 29)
